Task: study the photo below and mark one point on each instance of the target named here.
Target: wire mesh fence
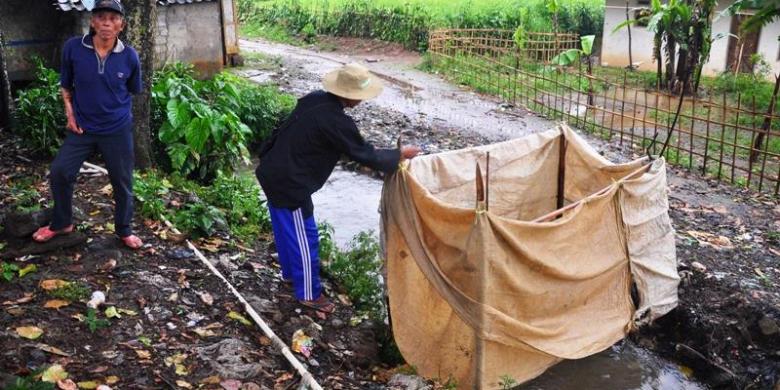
(729, 137)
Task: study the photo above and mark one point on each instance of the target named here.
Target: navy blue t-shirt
(102, 90)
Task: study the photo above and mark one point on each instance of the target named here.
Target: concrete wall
(33, 28)
(615, 49)
(191, 33)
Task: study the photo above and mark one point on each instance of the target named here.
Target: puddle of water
(350, 201)
(622, 367)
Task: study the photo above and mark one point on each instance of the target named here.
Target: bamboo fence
(727, 137)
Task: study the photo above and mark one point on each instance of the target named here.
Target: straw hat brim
(374, 89)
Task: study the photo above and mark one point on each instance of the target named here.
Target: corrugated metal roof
(76, 5)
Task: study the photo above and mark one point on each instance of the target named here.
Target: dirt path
(728, 240)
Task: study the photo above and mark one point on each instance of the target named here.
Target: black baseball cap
(109, 5)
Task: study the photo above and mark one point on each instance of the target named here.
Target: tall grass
(409, 21)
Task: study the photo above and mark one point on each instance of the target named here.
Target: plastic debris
(301, 343)
(97, 299)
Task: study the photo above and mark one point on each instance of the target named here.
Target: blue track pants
(297, 243)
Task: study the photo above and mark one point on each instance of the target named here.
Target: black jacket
(301, 154)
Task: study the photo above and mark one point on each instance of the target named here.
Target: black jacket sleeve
(342, 132)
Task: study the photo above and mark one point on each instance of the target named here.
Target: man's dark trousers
(117, 151)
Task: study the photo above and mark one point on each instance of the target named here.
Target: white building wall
(614, 52)
(769, 45)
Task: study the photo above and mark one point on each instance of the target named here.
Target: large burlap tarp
(478, 294)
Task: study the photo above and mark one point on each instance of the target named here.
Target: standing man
(99, 74)
(300, 156)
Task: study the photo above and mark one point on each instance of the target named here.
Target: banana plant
(572, 56)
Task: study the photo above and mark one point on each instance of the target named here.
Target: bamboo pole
(550, 216)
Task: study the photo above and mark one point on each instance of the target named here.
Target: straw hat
(353, 81)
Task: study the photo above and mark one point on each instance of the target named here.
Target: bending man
(300, 156)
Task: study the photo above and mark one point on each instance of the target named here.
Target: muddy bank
(177, 325)
(728, 240)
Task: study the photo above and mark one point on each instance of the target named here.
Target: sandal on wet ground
(132, 241)
(45, 233)
(320, 304)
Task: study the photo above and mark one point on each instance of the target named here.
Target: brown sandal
(45, 233)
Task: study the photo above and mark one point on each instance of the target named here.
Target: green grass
(409, 21)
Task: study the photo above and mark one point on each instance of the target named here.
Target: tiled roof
(76, 5)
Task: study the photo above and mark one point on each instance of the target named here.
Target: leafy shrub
(202, 137)
(358, 271)
(40, 114)
(239, 197)
(23, 195)
(206, 124)
(151, 190)
(229, 203)
(200, 219)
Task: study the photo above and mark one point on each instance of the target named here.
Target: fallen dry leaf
(230, 384)
(24, 299)
(26, 270)
(107, 190)
(181, 370)
(284, 377)
(54, 373)
(203, 332)
(143, 354)
(56, 304)
(53, 284)
(183, 384)
(112, 379)
(88, 385)
(175, 359)
(127, 311)
(67, 384)
(108, 265)
(29, 332)
(50, 349)
(207, 298)
(238, 317)
(112, 313)
(212, 380)
(709, 239)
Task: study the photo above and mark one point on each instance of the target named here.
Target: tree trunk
(671, 46)
(6, 102)
(140, 33)
(658, 61)
(682, 68)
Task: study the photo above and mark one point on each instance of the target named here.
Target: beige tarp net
(478, 294)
